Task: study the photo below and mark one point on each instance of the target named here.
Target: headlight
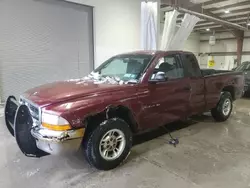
(54, 122)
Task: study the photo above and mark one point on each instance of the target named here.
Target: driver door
(166, 100)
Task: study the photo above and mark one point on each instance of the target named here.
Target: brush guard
(19, 123)
(10, 112)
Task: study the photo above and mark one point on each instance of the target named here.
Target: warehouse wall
(224, 62)
(116, 26)
(246, 47)
(193, 44)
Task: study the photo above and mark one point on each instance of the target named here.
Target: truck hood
(66, 90)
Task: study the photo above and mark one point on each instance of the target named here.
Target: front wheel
(109, 144)
(224, 108)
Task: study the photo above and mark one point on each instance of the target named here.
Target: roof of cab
(152, 52)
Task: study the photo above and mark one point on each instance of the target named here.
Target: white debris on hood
(97, 78)
(73, 80)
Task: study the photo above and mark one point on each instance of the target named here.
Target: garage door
(43, 41)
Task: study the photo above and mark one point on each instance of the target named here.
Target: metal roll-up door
(43, 41)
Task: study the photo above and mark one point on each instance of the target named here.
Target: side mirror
(159, 77)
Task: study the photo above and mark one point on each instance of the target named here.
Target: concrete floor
(209, 155)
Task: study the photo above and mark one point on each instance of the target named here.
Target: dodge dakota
(126, 95)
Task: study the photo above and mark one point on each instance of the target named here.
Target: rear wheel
(109, 144)
(224, 108)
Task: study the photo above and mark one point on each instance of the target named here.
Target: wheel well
(231, 90)
(121, 112)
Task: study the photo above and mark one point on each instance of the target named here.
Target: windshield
(245, 66)
(125, 67)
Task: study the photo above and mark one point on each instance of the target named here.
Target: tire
(218, 113)
(95, 153)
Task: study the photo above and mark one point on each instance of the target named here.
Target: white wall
(193, 44)
(224, 62)
(116, 26)
(246, 47)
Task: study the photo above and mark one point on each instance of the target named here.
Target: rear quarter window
(191, 65)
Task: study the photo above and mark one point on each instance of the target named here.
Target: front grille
(34, 110)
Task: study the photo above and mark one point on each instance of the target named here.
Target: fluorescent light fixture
(248, 23)
(227, 11)
(207, 29)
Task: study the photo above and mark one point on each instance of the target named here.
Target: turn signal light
(56, 127)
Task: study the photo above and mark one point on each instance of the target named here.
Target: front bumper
(58, 142)
(33, 139)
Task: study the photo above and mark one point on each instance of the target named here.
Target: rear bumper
(58, 142)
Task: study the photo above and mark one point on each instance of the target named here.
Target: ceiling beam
(233, 16)
(212, 17)
(177, 3)
(229, 6)
(216, 30)
(212, 2)
(234, 11)
(221, 39)
(185, 6)
(212, 28)
(231, 19)
(206, 23)
(209, 25)
(204, 28)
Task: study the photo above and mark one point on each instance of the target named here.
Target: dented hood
(66, 90)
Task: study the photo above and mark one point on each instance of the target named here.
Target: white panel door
(43, 41)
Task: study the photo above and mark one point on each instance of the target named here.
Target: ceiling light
(248, 23)
(207, 29)
(227, 11)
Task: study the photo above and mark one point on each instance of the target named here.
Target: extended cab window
(170, 66)
(192, 66)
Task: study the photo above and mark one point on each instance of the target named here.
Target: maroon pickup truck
(126, 95)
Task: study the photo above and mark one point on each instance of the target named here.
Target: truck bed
(217, 80)
(208, 72)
